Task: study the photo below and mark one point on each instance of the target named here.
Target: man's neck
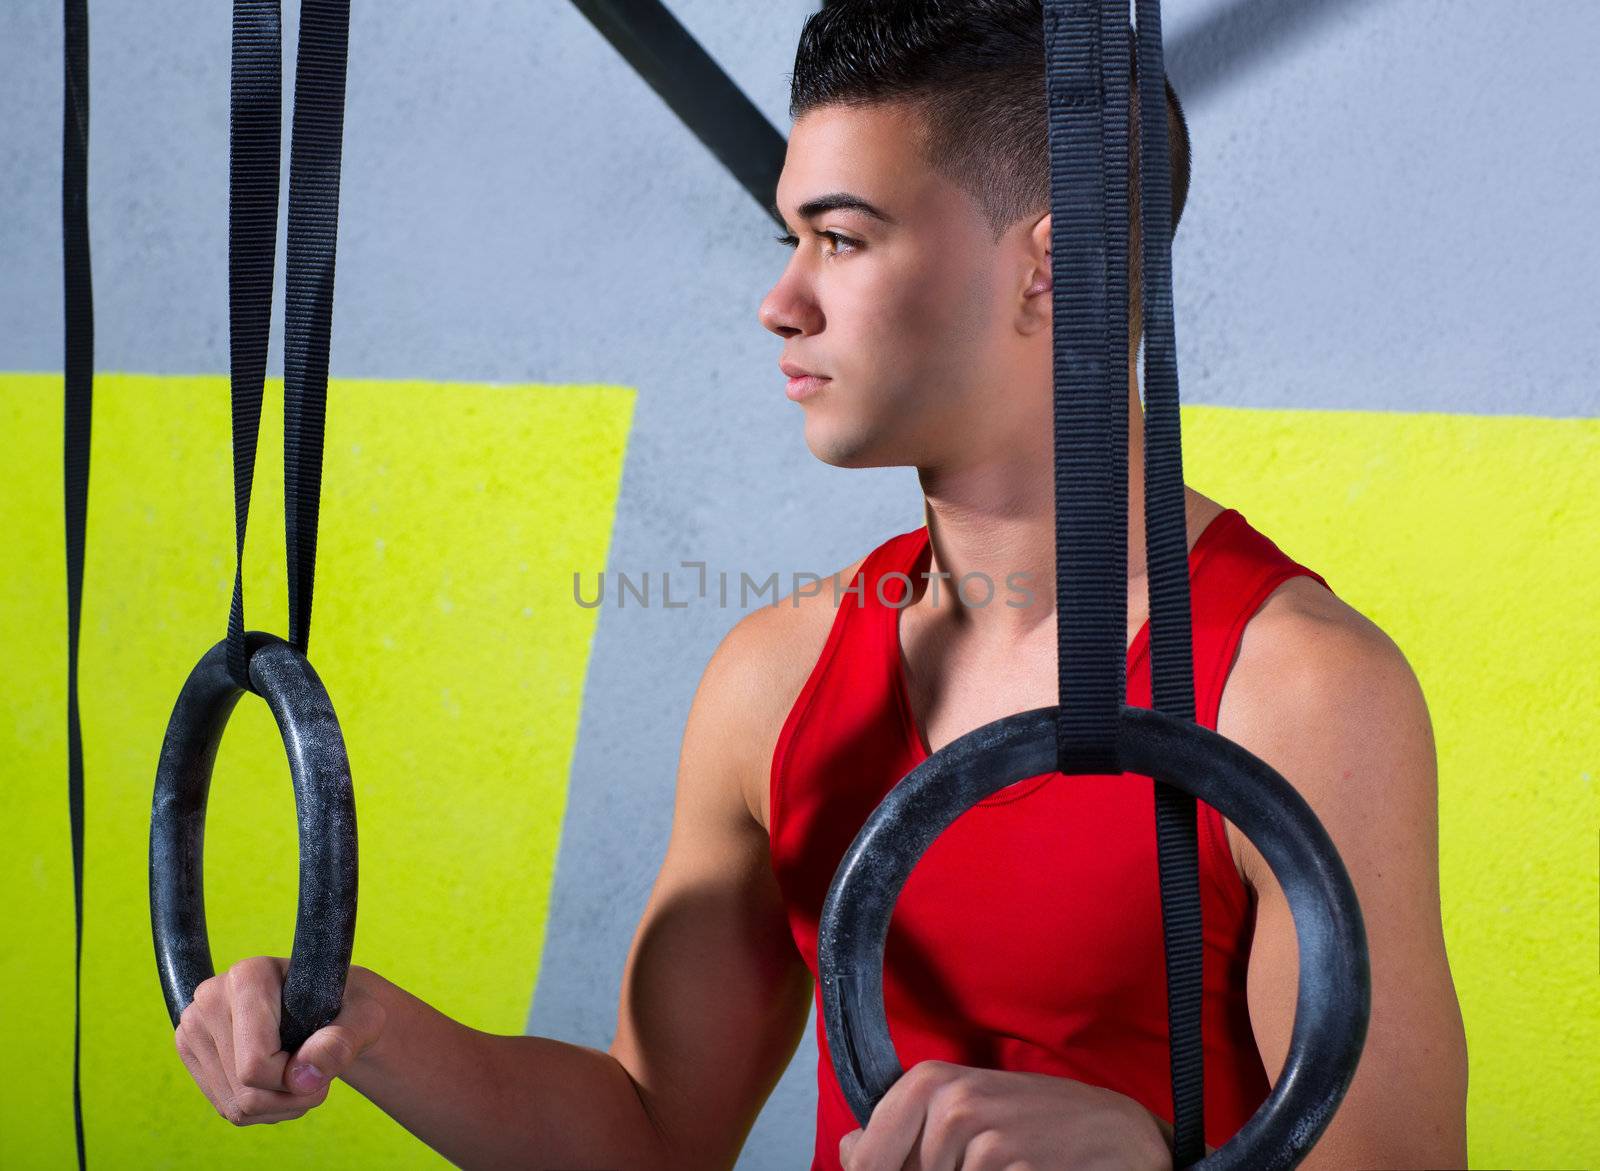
(992, 523)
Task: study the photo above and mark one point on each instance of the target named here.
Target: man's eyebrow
(836, 201)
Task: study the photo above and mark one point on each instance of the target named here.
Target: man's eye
(839, 241)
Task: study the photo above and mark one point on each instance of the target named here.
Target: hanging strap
(78, 377)
(1089, 240)
(1087, 46)
(255, 142)
(1171, 634)
(706, 100)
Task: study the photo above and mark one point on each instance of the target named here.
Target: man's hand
(940, 1117)
(227, 1038)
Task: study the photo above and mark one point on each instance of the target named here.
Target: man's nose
(786, 312)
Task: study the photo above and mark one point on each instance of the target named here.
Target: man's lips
(802, 382)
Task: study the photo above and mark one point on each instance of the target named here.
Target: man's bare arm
(714, 994)
(486, 1100)
(1330, 702)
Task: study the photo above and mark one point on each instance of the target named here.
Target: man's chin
(842, 453)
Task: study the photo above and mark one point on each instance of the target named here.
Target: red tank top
(1029, 936)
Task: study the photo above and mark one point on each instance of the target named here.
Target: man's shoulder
(787, 635)
(1322, 692)
(764, 661)
(1304, 623)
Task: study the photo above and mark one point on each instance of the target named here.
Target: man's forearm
(485, 1100)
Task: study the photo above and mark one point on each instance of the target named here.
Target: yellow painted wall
(453, 517)
(1474, 541)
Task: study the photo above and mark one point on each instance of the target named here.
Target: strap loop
(255, 142)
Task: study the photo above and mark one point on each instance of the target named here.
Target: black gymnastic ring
(325, 924)
(1330, 1019)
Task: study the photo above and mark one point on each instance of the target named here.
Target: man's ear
(1037, 301)
(1039, 251)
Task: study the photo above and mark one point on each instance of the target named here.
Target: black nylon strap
(315, 154)
(255, 142)
(78, 379)
(255, 129)
(1167, 557)
(1086, 84)
(1086, 45)
(705, 99)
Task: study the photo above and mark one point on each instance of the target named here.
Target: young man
(1023, 976)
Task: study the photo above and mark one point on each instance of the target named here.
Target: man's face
(909, 316)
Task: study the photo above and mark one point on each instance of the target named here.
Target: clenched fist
(228, 1040)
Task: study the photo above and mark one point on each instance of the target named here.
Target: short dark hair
(974, 71)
